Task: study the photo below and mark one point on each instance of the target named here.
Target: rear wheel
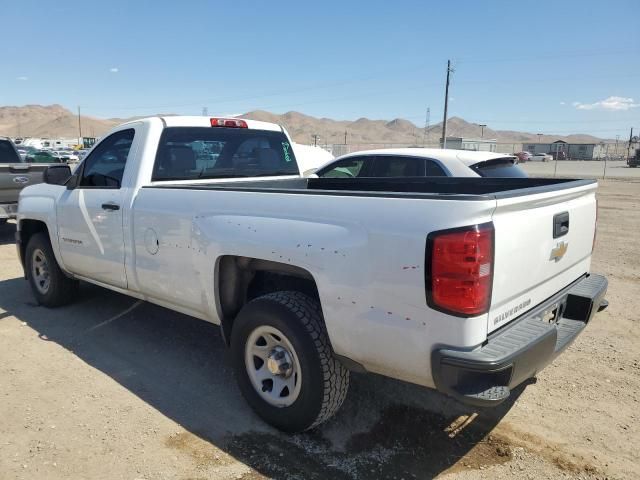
(284, 363)
(49, 284)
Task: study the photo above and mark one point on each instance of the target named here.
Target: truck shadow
(180, 366)
(7, 233)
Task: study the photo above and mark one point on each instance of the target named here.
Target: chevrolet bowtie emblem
(558, 252)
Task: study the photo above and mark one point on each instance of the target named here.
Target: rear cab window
(8, 153)
(499, 168)
(192, 153)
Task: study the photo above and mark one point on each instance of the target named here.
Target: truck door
(90, 216)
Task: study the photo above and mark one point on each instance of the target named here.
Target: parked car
(540, 157)
(561, 155)
(66, 155)
(467, 285)
(523, 156)
(15, 174)
(25, 150)
(44, 156)
(421, 162)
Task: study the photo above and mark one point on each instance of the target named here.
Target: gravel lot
(113, 388)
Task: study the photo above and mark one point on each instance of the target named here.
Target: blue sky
(552, 67)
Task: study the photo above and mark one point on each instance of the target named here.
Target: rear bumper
(8, 210)
(485, 376)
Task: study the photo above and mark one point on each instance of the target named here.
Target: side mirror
(73, 181)
(56, 174)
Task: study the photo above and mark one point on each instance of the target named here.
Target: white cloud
(562, 103)
(114, 69)
(22, 78)
(611, 103)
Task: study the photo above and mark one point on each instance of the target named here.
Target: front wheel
(284, 363)
(49, 284)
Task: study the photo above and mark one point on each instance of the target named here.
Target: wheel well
(28, 228)
(241, 279)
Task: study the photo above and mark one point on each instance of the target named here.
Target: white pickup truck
(466, 285)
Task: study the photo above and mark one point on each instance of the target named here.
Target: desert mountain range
(53, 121)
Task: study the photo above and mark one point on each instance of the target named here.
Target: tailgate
(14, 177)
(530, 264)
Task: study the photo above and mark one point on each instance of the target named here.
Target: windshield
(499, 168)
(8, 153)
(190, 153)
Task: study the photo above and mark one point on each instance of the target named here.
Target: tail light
(595, 229)
(459, 271)
(228, 122)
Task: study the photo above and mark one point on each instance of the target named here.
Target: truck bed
(412, 187)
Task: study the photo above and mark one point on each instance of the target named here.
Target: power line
(544, 122)
(227, 99)
(552, 56)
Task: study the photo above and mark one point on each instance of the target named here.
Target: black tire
(3, 221)
(325, 380)
(61, 289)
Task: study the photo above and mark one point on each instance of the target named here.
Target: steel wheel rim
(40, 271)
(262, 356)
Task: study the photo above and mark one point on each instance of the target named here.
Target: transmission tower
(426, 127)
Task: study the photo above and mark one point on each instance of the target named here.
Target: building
(572, 151)
(47, 143)
(476, 144)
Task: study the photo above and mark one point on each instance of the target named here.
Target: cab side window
(104, 167)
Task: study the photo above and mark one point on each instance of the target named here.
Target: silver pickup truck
(15, 174)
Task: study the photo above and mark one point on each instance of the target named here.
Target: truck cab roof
(201, 121)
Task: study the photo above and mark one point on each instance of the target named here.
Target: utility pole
(539, 136)
(616, 152)
(205, 112)
(446, 106)
(79, 127)
(345, 137)
(426, 126)
(482, 125)
(629, 146)
(315, 137)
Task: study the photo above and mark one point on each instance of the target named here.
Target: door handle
(560, 224)
(110, 206)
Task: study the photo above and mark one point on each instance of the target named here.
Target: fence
(606, 151)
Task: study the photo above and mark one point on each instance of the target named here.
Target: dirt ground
(114, 388)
